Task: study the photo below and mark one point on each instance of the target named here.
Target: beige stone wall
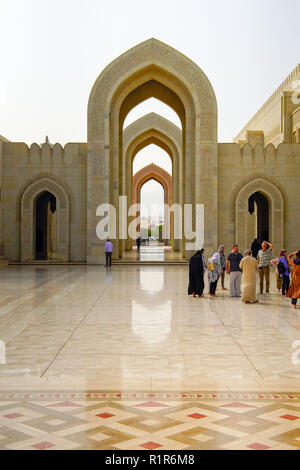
(21, 167)
(221, 176)
(296, 125)
(276, 173)
(270, 118)
(273, 171)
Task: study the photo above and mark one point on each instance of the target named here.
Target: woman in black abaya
(196, 285)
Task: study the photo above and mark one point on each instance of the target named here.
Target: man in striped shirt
(264, 260)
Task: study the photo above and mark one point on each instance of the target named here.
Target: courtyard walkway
(127, 345)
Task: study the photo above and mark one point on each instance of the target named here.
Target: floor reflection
(152, 253)
(152, 282)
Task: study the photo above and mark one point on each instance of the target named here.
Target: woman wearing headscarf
(196, 275)
(294, 289)
(223, 265)
(274, 263)
(213, 273)
(203, 259)
(255, 247)
(282, 272)
(249, 267)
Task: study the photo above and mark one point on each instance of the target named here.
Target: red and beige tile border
(7, 395)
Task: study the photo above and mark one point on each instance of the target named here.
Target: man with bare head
(264, 260)
(235, 272)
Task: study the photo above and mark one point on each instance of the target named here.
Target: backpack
(281, 267)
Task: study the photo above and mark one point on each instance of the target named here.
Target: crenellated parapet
(257, 156)
(20, 154)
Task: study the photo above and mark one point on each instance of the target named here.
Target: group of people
(242, 271)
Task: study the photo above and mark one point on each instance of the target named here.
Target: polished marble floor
(133, 328)
(152, 252)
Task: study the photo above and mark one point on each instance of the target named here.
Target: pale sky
(52, 51)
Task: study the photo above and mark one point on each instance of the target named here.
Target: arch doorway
(152, 200)
(152, 139)
(264, 200)
(45, 217)
(152, 70)
(259, 211)
(45, 226)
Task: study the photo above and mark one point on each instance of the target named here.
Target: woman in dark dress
(255, 247)
(196, 285)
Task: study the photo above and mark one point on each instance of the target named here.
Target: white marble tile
(137, 325)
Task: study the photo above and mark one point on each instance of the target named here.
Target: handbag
(211, 266)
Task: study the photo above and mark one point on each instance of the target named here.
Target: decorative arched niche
(28, 203)
(276, 212)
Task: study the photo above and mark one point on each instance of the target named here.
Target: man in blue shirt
(235, 272)
(109, 248)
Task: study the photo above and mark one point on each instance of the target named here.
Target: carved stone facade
(81, 176)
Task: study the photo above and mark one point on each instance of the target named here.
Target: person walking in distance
(108, 252)
(264, 260)
(235, 272)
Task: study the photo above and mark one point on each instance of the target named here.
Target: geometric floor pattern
(149, 420)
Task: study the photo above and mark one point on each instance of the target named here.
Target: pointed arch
(28, 198)
(151, 69)
(152, 129)
(276, 212)
(154, 172)
(148, 173)
(140, 65)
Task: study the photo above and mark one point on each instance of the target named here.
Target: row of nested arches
(44, 211)
(157, 146)
(154, 70)
(162, 139)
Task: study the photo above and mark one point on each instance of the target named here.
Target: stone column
(98, 185)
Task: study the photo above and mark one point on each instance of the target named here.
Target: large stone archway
(276, 212)
(28, 198)
(158, 174)
(147, 173)
(151, 69)
(153, 129)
